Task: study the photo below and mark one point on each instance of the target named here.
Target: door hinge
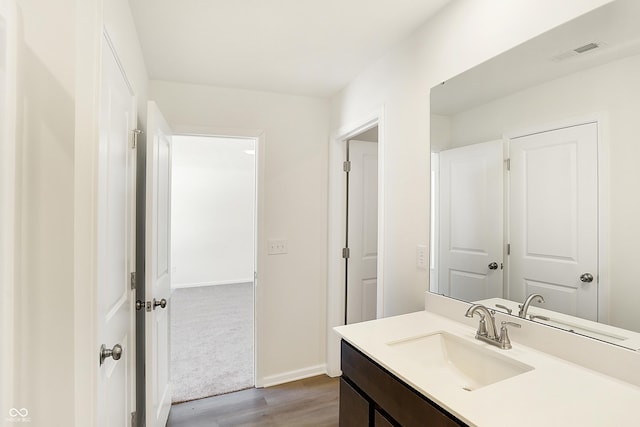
(346, 166)
(132, 279)
(346, 253)
(508, 164)
(134, 419)
(508, 248)
(136, 133)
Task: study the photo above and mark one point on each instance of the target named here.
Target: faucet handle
(505, 323)
(505, 342)
(504, 307)
(536, 316)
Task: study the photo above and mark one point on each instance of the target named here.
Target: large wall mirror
(536, 179)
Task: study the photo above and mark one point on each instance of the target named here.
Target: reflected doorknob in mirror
(493, 266)
(162, 303)
(586, 278)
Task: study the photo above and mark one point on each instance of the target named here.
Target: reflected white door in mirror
(469, 221)
(550, 212)
(553, 219)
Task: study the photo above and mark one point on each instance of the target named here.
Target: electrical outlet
(422, 262)
(276, 246)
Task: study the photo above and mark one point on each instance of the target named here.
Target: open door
(158, 270)
(362, 220)
(115, 245)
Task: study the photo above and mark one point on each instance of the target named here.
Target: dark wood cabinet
(354, 407)
(379, 420)
(367, 387)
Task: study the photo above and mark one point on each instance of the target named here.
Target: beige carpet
(211, 340)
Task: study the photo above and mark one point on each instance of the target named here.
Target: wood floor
(309, 402)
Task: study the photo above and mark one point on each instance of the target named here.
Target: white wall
(610, 91)
(461, 36)
(44, 212)
(212, 211)
(291, 287)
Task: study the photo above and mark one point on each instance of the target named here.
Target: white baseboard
(298, 374)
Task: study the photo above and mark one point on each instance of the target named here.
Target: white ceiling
(303, 47)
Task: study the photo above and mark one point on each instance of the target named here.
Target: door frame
(260, 242)
(337, 229)
(603, 174)
(8, 148)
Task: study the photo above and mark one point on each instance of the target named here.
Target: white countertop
(555, 393)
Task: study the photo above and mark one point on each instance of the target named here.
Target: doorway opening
(213, 240)
(337, 229)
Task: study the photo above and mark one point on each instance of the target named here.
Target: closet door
(554, 219)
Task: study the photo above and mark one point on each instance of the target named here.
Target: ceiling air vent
(587, 47)
(577, 51)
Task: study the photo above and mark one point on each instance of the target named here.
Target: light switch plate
(422, 262)
(276, 246)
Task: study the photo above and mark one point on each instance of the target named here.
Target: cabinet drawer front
(401, 402)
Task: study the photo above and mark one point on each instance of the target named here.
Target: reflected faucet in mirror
(525, 306)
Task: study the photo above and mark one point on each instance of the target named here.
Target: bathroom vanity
(371, 395)
(424, 369)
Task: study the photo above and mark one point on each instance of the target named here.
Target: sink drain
(467, 388)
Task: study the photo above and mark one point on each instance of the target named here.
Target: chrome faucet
(489, 334)
(525, 306)
(482, 327)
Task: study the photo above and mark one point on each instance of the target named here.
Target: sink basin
(456, 362)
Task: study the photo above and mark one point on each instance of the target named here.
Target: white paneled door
(158, 271)
(362, 232)
(554, 219)
(116, 245)
(470, 217)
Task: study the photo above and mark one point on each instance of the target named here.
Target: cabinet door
(380, 420)
(354, 408)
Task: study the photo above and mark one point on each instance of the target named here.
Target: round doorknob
(162, 303)
(115, 352)
(586, 278)
(493, 266)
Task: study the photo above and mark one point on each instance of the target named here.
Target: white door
(470, 221)
(554, 219)
(362, 223)
(116, 245)
(158, 272)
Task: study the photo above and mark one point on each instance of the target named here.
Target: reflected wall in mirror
(535, 179)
